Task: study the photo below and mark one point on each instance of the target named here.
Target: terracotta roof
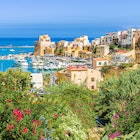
(75, 68)
(122, 51)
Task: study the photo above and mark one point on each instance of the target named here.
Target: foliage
(59, 50)
(118, 102)
(105, 70)
(113, 46)
(125, 65)
(79, 99)
(14, 79)
(19, 116)
(66, 113)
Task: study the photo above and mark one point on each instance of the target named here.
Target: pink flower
(25, 130)
(116, 134)
(17, 114)
(116, 116)
(28, 112)
(9, 127)
(9, 100)
(55, 116)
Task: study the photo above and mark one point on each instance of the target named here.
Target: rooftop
(77, 68)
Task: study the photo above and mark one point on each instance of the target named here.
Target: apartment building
(112, 37)
(82, 75)
(102, 50)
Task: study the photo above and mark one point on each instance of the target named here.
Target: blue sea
(21, 46)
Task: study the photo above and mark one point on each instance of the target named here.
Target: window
(105, 63)
(92, 87)
(92, 79)
(99, 63)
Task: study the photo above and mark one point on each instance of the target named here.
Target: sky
(67, 18)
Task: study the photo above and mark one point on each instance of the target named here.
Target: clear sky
(66, 18)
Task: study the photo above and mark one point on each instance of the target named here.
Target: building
(112, 37)
(98, 63)
(82, 75)
(102, 50)
(102, 40)
(123, 57)
(44, 46)
(71, 50)
(137, 52)
(86, 52)
(37, 80)
(82, 41)
(96, 41)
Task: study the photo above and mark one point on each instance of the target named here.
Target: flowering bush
(118, 103)
(26, 116)
(20, 117)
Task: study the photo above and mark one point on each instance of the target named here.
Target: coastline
(16, 46)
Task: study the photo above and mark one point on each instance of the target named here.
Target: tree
(113, 46)
(117, 97)
(15, 79)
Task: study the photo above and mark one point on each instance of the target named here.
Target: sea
(21, 46)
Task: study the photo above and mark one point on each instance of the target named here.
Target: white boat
(40, 63)
(34, 63)
(21, 62)
(50, 66)
(24, 62)
(12, 50)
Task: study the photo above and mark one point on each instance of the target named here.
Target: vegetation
(69, 111)
(106, 70)
(66, 113)
(113, 46)
(59, 50)
(118, 103)
(125, 65)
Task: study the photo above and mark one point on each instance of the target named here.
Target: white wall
(37, 79)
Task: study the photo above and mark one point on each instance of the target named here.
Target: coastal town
(81, 61)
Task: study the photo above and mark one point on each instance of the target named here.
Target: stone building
(44, 46)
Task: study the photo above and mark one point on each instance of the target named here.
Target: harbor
(46, 64)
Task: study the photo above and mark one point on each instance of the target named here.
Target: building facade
(44, 46)
(98, 63)
(82, 75)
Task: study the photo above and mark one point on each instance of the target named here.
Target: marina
(29, 62)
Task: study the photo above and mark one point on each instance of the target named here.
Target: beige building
(85, 54)
(137, 52)
(137, 56)
(102, 50)
(102, 40)
(83, 75)
(98, 63)
(44, 46)
(71, 51)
